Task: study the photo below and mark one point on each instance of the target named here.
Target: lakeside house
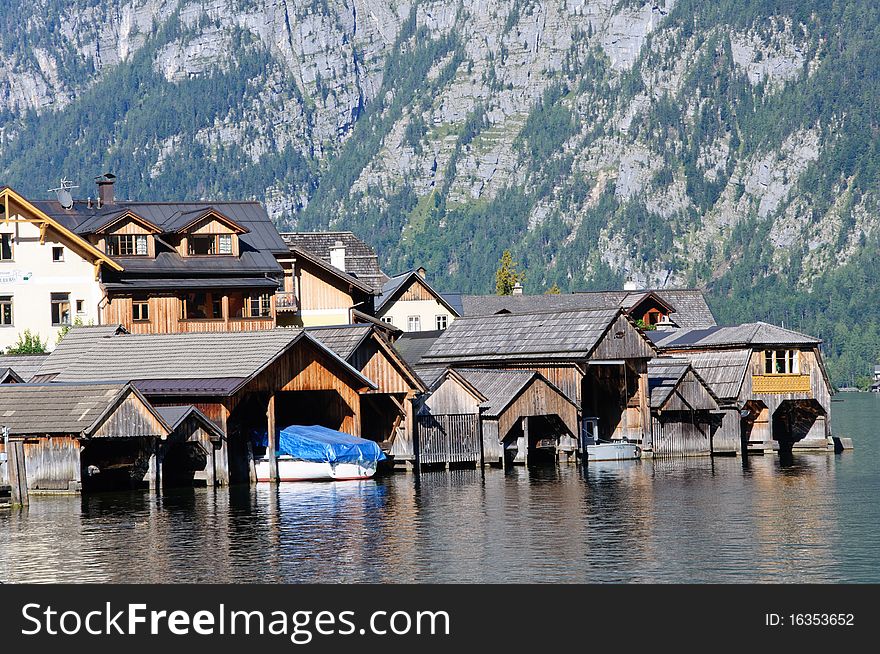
(409, 302)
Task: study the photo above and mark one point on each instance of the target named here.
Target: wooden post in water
(273, 455)
(645, 408)
(16, 471)
(525, 440)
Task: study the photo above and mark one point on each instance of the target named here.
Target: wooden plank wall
(130, 418)
(165, 318)
(623, 341)
(416, 291)
(493, 449)
(320, 290)
(680, 433)
(539, 399)
(377, 366)
(449, 438)
(728, 437)
(52, 463)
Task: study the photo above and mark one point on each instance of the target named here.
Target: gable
(452, 396)
(129, 417)
(212, 221)
(690, 394)
(623, 341)
(15, 205)
(128, 222)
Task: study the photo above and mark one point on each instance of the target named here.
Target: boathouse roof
(666, 375)
(500, 387)
(208, 363)
(73, 409)
(754, 335)
(561, 336)
(174, 416)
(723, 371)
(77, 343)
(24, 366)
(343, 340)
(688, 305)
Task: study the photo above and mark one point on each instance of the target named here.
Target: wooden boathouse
(597, 358)
(685, 414)
(247, 383)
(387, 410)
(69, 437)
(771, 383)
(491, 416)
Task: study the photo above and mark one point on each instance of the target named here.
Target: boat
(315, 453)
(614, 451)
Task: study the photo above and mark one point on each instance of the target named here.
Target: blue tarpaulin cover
(316, 443)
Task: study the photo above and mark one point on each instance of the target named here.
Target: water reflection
(708, 520)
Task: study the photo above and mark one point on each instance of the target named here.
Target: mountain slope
(731, 144)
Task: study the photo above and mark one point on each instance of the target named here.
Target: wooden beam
(16, 472)
(97, 270)
(645, 409)
(43, 227)
(273, 444)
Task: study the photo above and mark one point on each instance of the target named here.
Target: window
(441, 322)
(201, 306)
(260, 305)
(207, 244)
(5, 311)
(414, 324)
(5, 247)
(80, 306)
(140, 310)
(57, 254)
(387, 319)
(60, 309)
(781, 362)
(127, 245)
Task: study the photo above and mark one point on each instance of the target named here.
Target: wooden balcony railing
(780, 384)
(285, 301)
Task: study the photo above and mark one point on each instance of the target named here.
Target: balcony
(285, 301)
(781, 384)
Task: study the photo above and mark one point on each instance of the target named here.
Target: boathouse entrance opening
(182, 461)
(115, 463)
(794, 420)
(754, 426)
(324, 408)
(536, 440)
(381, 416)
(610, 391)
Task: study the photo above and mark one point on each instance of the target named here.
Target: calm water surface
(690, 520)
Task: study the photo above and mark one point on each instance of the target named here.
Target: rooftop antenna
(65, 199)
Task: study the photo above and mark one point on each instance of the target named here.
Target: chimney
(517, 289)
(337, 255)
(422, 272)
(105, 189)
(631, 285)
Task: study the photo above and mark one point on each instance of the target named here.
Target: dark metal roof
(756, 334)
(23, 365)
(360, 259)
(184, 283)
(562, 336)
(690, 306)
(258, 245)
(189, 387)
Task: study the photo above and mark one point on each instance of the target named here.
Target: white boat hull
(290, 469)
(613, 452)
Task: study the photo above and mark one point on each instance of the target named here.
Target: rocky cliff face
(669, 142)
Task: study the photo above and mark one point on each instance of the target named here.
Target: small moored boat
(315, 453)
(616, 451)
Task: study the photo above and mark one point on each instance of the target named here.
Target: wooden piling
(15, 465)
(273, 445)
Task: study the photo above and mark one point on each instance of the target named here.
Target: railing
(285, 301)
(449, 438)
(780, 384)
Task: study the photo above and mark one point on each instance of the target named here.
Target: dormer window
(209, 244)
(127, 245)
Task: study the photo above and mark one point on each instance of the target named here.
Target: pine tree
(507, 276)
(553, 290)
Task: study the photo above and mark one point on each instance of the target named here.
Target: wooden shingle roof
(667, 374)
(77, 342)
(360, 259)
(690, 308)
(25, 366)
(562, 336)
(343, 340)
(58, 408)
(723, 371)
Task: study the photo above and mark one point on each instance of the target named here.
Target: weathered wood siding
(493, 448)
(567, 377)
(52, 463)
(130, 418)
(376, 365)
(449, 438)
(728, 437)
(623, 341)
(538, 399)
(682, 433)
(690, 395)
(450, 397)
(416, 290)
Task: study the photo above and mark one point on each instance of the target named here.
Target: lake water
(685, 520)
